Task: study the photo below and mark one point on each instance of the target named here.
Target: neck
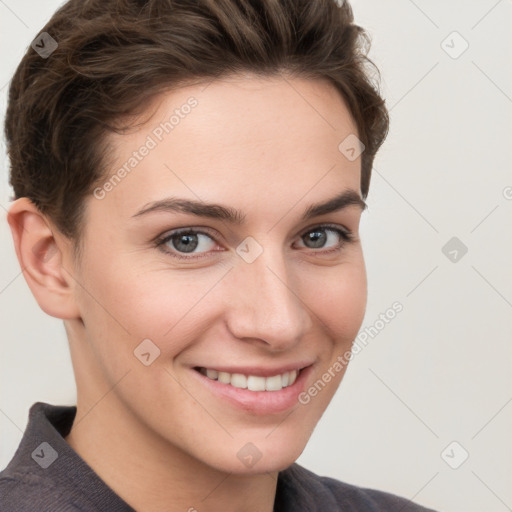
(158, 476)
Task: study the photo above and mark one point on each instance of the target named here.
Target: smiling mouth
(252, 382)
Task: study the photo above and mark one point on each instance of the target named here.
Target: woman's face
(173, 295)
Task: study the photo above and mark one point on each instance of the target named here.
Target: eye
(326, 236)
(189, 243)
(186, 241)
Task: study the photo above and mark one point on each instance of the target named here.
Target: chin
(265, 455)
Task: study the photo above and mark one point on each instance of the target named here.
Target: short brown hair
(114, 55)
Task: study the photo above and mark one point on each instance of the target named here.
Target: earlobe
(42, 257)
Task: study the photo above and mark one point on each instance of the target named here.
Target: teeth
(252, 382)
(255, 383)
(211, 374)
(224, 377)
(238, 380)
(274, 383)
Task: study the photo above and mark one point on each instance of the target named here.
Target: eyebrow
(346, 198)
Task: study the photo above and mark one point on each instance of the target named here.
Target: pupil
(317, 237)
(189, 243)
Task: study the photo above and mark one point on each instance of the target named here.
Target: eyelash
(346, 235)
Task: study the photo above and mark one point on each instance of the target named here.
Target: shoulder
(22, 491)
(26, 486)
(301, 489)
(46, 474)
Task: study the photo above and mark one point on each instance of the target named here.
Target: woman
(189, 179)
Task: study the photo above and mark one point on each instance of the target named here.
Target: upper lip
(259, 371)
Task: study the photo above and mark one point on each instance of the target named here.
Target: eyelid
(326, 225)
(202, 230)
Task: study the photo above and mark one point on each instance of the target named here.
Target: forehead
(238, 139)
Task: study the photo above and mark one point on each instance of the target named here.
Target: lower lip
(258, 402)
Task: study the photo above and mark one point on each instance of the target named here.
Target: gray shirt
(47, 475)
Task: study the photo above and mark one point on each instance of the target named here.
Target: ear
(42, 254)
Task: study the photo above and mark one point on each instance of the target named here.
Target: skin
(266, 146)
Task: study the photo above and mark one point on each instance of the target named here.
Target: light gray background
(441, 370)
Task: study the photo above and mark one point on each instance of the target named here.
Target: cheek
(340, 300)
(165, 306)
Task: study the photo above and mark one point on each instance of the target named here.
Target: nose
(264, 303)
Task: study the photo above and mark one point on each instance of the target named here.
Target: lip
(257, 402)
